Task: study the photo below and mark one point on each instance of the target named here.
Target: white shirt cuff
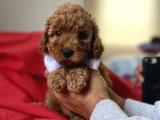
(107, 110)
(136, 108)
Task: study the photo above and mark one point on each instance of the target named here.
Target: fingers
(115, 97)
(102, 66)
(96, 80)
(104, 73)
(139, 76)
(66, 96)
(103, 70)
(83, 103)
(112, 94)
(61, 96)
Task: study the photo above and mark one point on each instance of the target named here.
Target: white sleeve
(136, 108)
(109, 110)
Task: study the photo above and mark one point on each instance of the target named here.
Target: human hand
(104, 72)
(138, 73)
(116, 98)
(84, 103)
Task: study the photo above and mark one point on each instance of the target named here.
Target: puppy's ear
(43, 46)
(97, 47)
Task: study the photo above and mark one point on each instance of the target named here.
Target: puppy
(71, 48)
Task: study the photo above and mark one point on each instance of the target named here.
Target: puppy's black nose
(67, 53)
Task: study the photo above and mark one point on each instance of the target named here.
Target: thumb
(60, 95)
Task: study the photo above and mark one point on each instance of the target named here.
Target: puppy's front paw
(56, 80)
(77, 79)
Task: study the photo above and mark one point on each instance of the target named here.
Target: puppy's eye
(82, 35)
(57, 33)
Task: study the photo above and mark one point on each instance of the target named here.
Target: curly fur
(71, 27)
(71, 19)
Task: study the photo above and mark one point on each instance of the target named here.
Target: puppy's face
(70, 46)
(70, 35)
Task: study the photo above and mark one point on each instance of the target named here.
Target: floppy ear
(43, 47)
(97, 47)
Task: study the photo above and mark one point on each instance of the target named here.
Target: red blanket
(22, 81)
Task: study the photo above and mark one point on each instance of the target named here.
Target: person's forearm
(135, 108)
(107, 110)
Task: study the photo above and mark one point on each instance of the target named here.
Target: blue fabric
(124, 65)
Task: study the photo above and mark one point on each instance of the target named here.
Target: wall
(125, 24)
(27, 15)
(158, 16)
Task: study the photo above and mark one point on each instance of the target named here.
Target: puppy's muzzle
(67, 53)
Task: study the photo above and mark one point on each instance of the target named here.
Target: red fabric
(22, 81)
(124, 87)
(21, 78)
